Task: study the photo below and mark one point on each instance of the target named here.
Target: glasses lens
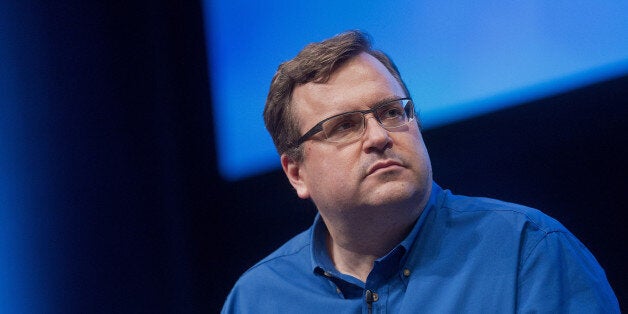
(395, 114)
(350, 126)
(344, 127)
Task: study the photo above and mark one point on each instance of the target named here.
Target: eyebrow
(386, 100)
(371, 106)
(380, 102)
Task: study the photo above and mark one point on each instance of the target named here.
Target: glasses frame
(319, 126)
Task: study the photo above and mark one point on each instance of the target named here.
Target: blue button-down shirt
(464, 254)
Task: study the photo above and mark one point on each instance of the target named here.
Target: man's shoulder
(297, 245)
(511, 213)
(292, 255)
(271, 276)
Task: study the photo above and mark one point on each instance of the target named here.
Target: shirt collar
(320, 257)
(434, 196)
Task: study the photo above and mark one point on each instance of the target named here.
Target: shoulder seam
(264, 261)
(525, 259)
(546, 230)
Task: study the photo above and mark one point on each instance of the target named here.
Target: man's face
(382, 170)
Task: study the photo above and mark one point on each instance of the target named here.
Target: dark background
(109, 138)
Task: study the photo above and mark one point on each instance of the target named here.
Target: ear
(294, 171)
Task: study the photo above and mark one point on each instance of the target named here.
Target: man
(387, 238)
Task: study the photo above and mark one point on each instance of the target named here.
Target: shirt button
(406, 272)
(375, 297)
(326, 274)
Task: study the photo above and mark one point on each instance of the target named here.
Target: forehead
(358, 84)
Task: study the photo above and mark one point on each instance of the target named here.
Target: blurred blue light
(20, 262)
(18, 290)
(458, 61)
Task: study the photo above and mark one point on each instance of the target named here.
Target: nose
(375, 136)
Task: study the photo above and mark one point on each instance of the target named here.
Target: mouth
(383, 165)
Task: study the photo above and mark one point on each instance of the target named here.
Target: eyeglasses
(349, 126)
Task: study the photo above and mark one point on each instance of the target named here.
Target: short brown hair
(315, 63)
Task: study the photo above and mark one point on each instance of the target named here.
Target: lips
(383, 164)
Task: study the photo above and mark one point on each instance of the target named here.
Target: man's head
(382, 167)
(315, 63)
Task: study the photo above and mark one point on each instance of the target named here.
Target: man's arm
(560, 275)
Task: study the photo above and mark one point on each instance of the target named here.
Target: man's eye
(344, 126)
(392, 112)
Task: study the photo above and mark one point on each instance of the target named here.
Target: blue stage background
(459, 59)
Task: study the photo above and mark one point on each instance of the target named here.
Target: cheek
(415, 152)
(423, 158)
(330, 168)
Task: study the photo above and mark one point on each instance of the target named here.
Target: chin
(397, 192)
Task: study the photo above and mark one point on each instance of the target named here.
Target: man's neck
(354, 246)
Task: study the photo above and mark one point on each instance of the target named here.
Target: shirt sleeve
(560, 275)
(230, 305)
